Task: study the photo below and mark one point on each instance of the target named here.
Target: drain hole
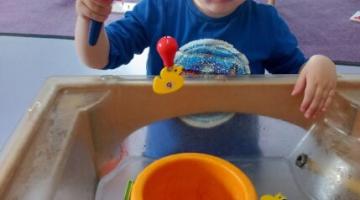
(301, 160)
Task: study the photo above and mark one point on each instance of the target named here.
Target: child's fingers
(96, 9)
(325, 102)
(314, 103)
(325, 96)
(322, 103)
(102, 3)
(88, 12)
(329, 100)
(299, 85)
(308, 96)
(317, 114)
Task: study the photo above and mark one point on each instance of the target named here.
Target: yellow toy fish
(278, 196)
(170, 80)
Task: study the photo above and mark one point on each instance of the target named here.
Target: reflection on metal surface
(243, 135)
(258, 145)
(331, 170)
(209, 120)
(342, 174)
(277, 156)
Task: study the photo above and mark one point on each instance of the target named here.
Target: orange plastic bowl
(192, 176)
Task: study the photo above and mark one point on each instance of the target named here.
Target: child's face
(218, 8)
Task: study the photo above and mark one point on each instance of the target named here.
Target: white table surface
(26, 63)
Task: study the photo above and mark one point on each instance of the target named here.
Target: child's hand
(98, 10)
(318, 82)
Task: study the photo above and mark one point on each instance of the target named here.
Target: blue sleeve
(131, 35)
(286, 57)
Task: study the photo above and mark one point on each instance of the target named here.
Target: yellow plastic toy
(278, 196)
(170, 79)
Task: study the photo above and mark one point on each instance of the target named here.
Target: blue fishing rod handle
(94, 32)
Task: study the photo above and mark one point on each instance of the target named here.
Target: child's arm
(93, 56)
(317, 80)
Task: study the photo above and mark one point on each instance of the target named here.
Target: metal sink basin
(78, 125)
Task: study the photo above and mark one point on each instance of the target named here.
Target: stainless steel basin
(79, 125)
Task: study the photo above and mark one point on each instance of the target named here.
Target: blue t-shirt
(254, 33)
